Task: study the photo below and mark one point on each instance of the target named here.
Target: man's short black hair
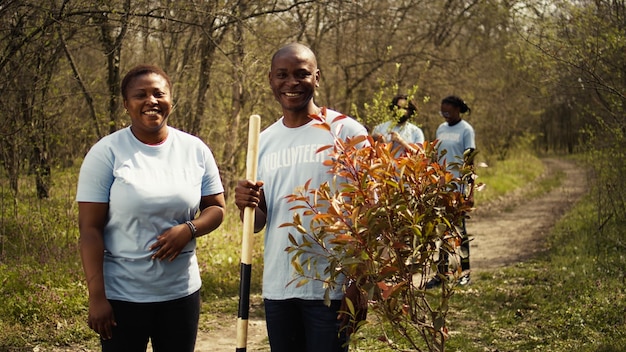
(410, 107)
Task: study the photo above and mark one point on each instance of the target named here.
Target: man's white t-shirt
(288, 158)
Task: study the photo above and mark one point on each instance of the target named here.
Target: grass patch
(219, 254)
(505, 177)
(42, 303)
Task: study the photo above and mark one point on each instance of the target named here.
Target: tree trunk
(231, 150)
(112, 46)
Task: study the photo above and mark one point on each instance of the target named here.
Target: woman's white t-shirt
(149, 188)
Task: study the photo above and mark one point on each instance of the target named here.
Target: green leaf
(350, 305)
(297, 267)
(327, 297)
(438, 323)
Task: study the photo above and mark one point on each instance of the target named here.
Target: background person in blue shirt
(139, 193)
(456, 137)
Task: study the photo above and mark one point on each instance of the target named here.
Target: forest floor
(507, 231)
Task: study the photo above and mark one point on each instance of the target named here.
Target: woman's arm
(91, 221)
(211, 214)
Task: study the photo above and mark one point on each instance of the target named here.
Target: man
(398, 130)
(297, 318)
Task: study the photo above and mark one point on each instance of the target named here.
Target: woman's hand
(100, 318)
(171, 242)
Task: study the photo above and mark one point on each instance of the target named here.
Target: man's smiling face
(293, 79)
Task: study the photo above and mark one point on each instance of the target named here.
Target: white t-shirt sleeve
(96, 175)
(211, 181)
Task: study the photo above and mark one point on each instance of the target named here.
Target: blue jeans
(304, 326)
(172, 325)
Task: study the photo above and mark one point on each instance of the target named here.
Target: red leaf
(322, 126)
(391, 290)
(387, 270)
(321, 149)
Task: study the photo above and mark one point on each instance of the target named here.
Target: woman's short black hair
(458, 102)
(141, 70)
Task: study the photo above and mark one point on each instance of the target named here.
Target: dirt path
(225, 338)
(505, 232)
(511, 231)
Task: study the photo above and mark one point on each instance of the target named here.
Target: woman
(139, 191)
(456, 137)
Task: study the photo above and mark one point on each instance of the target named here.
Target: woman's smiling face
(148, 102)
